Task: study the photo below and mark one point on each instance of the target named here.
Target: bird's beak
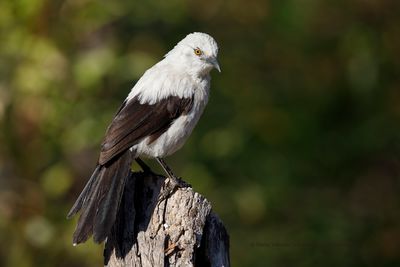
(215, 64)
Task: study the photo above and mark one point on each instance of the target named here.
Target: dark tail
(99, 200)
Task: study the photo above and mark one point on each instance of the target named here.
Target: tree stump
(181, 230)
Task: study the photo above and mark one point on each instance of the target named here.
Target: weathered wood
(181, 230)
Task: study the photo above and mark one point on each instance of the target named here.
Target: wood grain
(181, 230)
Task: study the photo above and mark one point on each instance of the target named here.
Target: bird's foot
(171, 184)
(179, 182)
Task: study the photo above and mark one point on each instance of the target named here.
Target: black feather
(83, 196)
(109, 204)
(102, 200)
(135, 121)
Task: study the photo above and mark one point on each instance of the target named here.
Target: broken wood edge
(181, 230)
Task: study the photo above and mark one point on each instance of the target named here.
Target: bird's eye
(198, 52)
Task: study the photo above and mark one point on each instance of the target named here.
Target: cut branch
(181, 230)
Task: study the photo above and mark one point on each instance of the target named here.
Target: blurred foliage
(298, 149)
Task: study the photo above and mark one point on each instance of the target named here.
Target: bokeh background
(298, 149)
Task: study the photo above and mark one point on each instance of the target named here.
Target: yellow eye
(198, 52)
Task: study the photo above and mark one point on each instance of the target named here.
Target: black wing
(135, 121)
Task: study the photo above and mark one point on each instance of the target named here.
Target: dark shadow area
(215, 240)
(138, 201)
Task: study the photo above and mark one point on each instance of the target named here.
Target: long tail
(100, 199)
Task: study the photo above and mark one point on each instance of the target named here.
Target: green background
(298, 149)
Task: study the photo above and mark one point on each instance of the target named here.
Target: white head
(197, 53)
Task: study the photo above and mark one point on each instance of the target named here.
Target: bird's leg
(144, 166)
(174, 182)
(166, 168)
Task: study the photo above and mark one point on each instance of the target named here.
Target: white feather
(183, 74)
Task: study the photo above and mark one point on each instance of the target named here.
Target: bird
(153, 122)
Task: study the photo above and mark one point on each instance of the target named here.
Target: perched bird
(154, 121)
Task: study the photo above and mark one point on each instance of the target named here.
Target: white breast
(176, 135)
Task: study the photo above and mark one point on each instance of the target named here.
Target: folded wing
(135, 121)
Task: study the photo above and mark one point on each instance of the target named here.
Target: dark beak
(215, 64)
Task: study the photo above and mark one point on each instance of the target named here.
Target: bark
(181, 230)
